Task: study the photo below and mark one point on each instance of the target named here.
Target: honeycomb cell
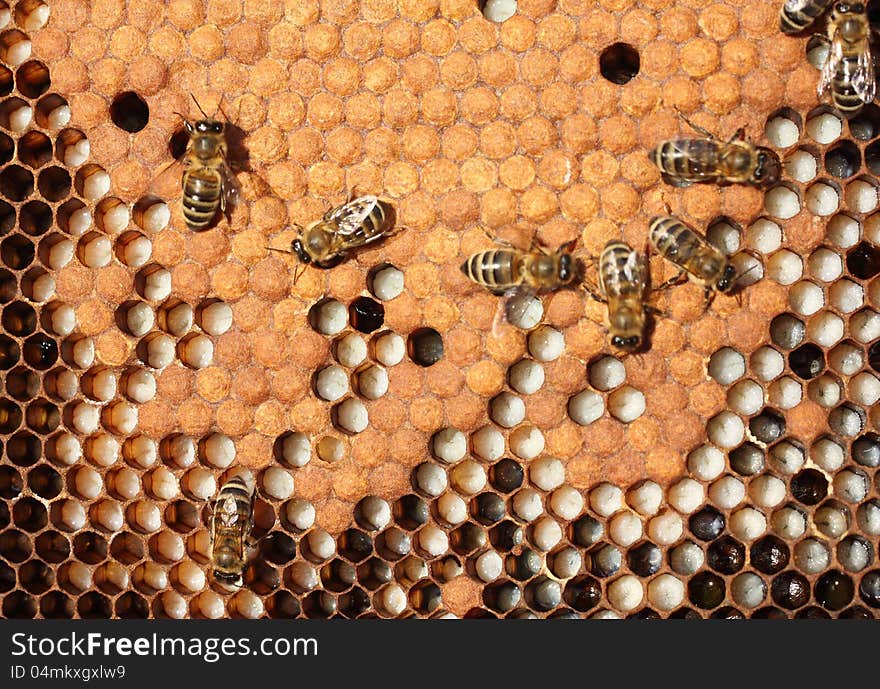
(54, 184)
(425, 346)
(15, 114)
(52, 112)
(619, 63)
(129, 111)
(32, 78)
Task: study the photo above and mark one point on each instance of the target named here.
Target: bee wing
(231, 190)
(832, 63)
(167, 182)
(863, 79)
(349, 216)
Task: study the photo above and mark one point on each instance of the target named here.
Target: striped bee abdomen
(494, 269)
(618, 274)
(797, 15)
(687, 159)
(843, 93)
(202, 187)
(673, 240)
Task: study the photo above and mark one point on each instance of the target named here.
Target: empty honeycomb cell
(619, 63)
(330, 449)
(32, 78)
(328, 317)
(7, 149)
(863, 261)
(23, 449)
(52, 112)
(15, 115)
(8, 286)
(783, 129)
(802, 165)
(10, 352)
(6, 81)
(129, 111)
(425, 346)
(195, 351)
(34, 150)
(92, 182)
(17, 183)
(822, 198)
(7, 217)
(366, 315)
(56, 606)
(42, 416)
(22, 384)
(151, 214)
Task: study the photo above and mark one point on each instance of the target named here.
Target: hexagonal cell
(782, 201)
(802, 164)
(618, 63)
(865, 125)
(763, 235)
(861, 195)
(52, 111)
(783, 129)
(129, 111)
(843, 159)
(823, 126)
(823, 197)
(843, 230)
(863, 261)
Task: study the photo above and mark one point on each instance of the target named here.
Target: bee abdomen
(843, 94)
(688, 159)
(492, 269)
(612, 263)
(796, 16)
(201, 197)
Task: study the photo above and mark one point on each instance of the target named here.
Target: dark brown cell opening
(17, 252)
(94, 606)
(132, 606)
(36, 577)
(10, 416)
(283, 605)
(467, 539)
(178, 142)
(90, 547)
(30, 514)
(425, 346)
(19, 319)
(337, 575)
(866, 124)
(807, 361)
(7, 82)
(319, 605)
(19, 605)
(863, 261)
(40, 351)
(355, 545)
(11, 483)
(261, 578)
(7, 149)
(374, 573)
(23, 449)
(52, 546)
(32, 79)
(16, 183)
(410, 512)
(8, 286)
(278, 548)
(56, 606)
(22, 384)
(366, 315)
(425, 597)
(502, 595)
(35, 218)
(843, 160)
(619, 63)
(54, 183)
(127, 548)
(5, 516)
(34, 149)
(809, 486)
(7, 577)
(129, 111)
(182, 516)
(7, 217)
(45, 481)
(10, 354)
(15, 546)
(47, 105)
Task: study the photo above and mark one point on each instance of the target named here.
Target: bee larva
(692, 253)
(848, 72)
(230, 528)
(797, 15)
(710, 160)
(623, 275)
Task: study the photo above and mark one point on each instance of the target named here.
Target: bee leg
(593, 291)
(710, 297)
(498, 240)
(738, 135)
(697, 128)
(679, 279)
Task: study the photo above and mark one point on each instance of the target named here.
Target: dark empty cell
(869, 588)
(807, 361)
(523, 566)
(873, 356)
(866, 450)
(7, 82)
(319, 605)
(15, 546)
(90, 547)
(54, 183)
(278, 548)
(24, 449)
(355, 545)
(872, 156)
(354, 603)
(768, 426)
(7, 149)
(583, 593)
(543, 594)
(7, 217)
(604, 560)
(856, 612)
(487, 508)
(8, 286)
(10, 353)
(619, 63)
(132, 606)
(506, 536)
(411, 512)
(45, 481)
(727, 613)
(747, 459)
(863, 261)
(769, 555)
(866, 125)
(467, 538)
(685, 613)
(338, 575)
(11, 483)
(502, 596)
(366, 315)
(52, 546)
(17, 252)
(35, 577)
(127, 548)
(56, 606)
(585, 531)
(812, 613)
(35, 218)
(94, 606)
(32, 79)
(178, 142)
(40, 351)
(786, 331)
(283, 605)
(644, 559)
(425, 597)
(5, 516)
(262, 578)
(425, 346)
(809, 486)
(834, 590)
(374, 573)
(35, 149)
(42, 416)
(10, 416)
(30, 514)
(844, 160)
(707, 524)
(19, 319)
(19, 605)
(129, 111)
(16, 183)
(506, 475)
(726, 555)
(790, 590)
(706, 590)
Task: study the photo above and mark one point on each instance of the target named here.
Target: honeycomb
(410, 459)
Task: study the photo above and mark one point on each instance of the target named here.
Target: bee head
(209, 127)
(565, 268)
(768, 169)
(300, 251)
(629, 344)
(728, 277)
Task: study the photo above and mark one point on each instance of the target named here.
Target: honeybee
(519, 275)
(359, 222)
(230, 528)
(692, 253)
(797, 15)
(623, 277)
(848, 72)
(710, 160)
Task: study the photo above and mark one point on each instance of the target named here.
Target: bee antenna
(280, 251)
(199, 106)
